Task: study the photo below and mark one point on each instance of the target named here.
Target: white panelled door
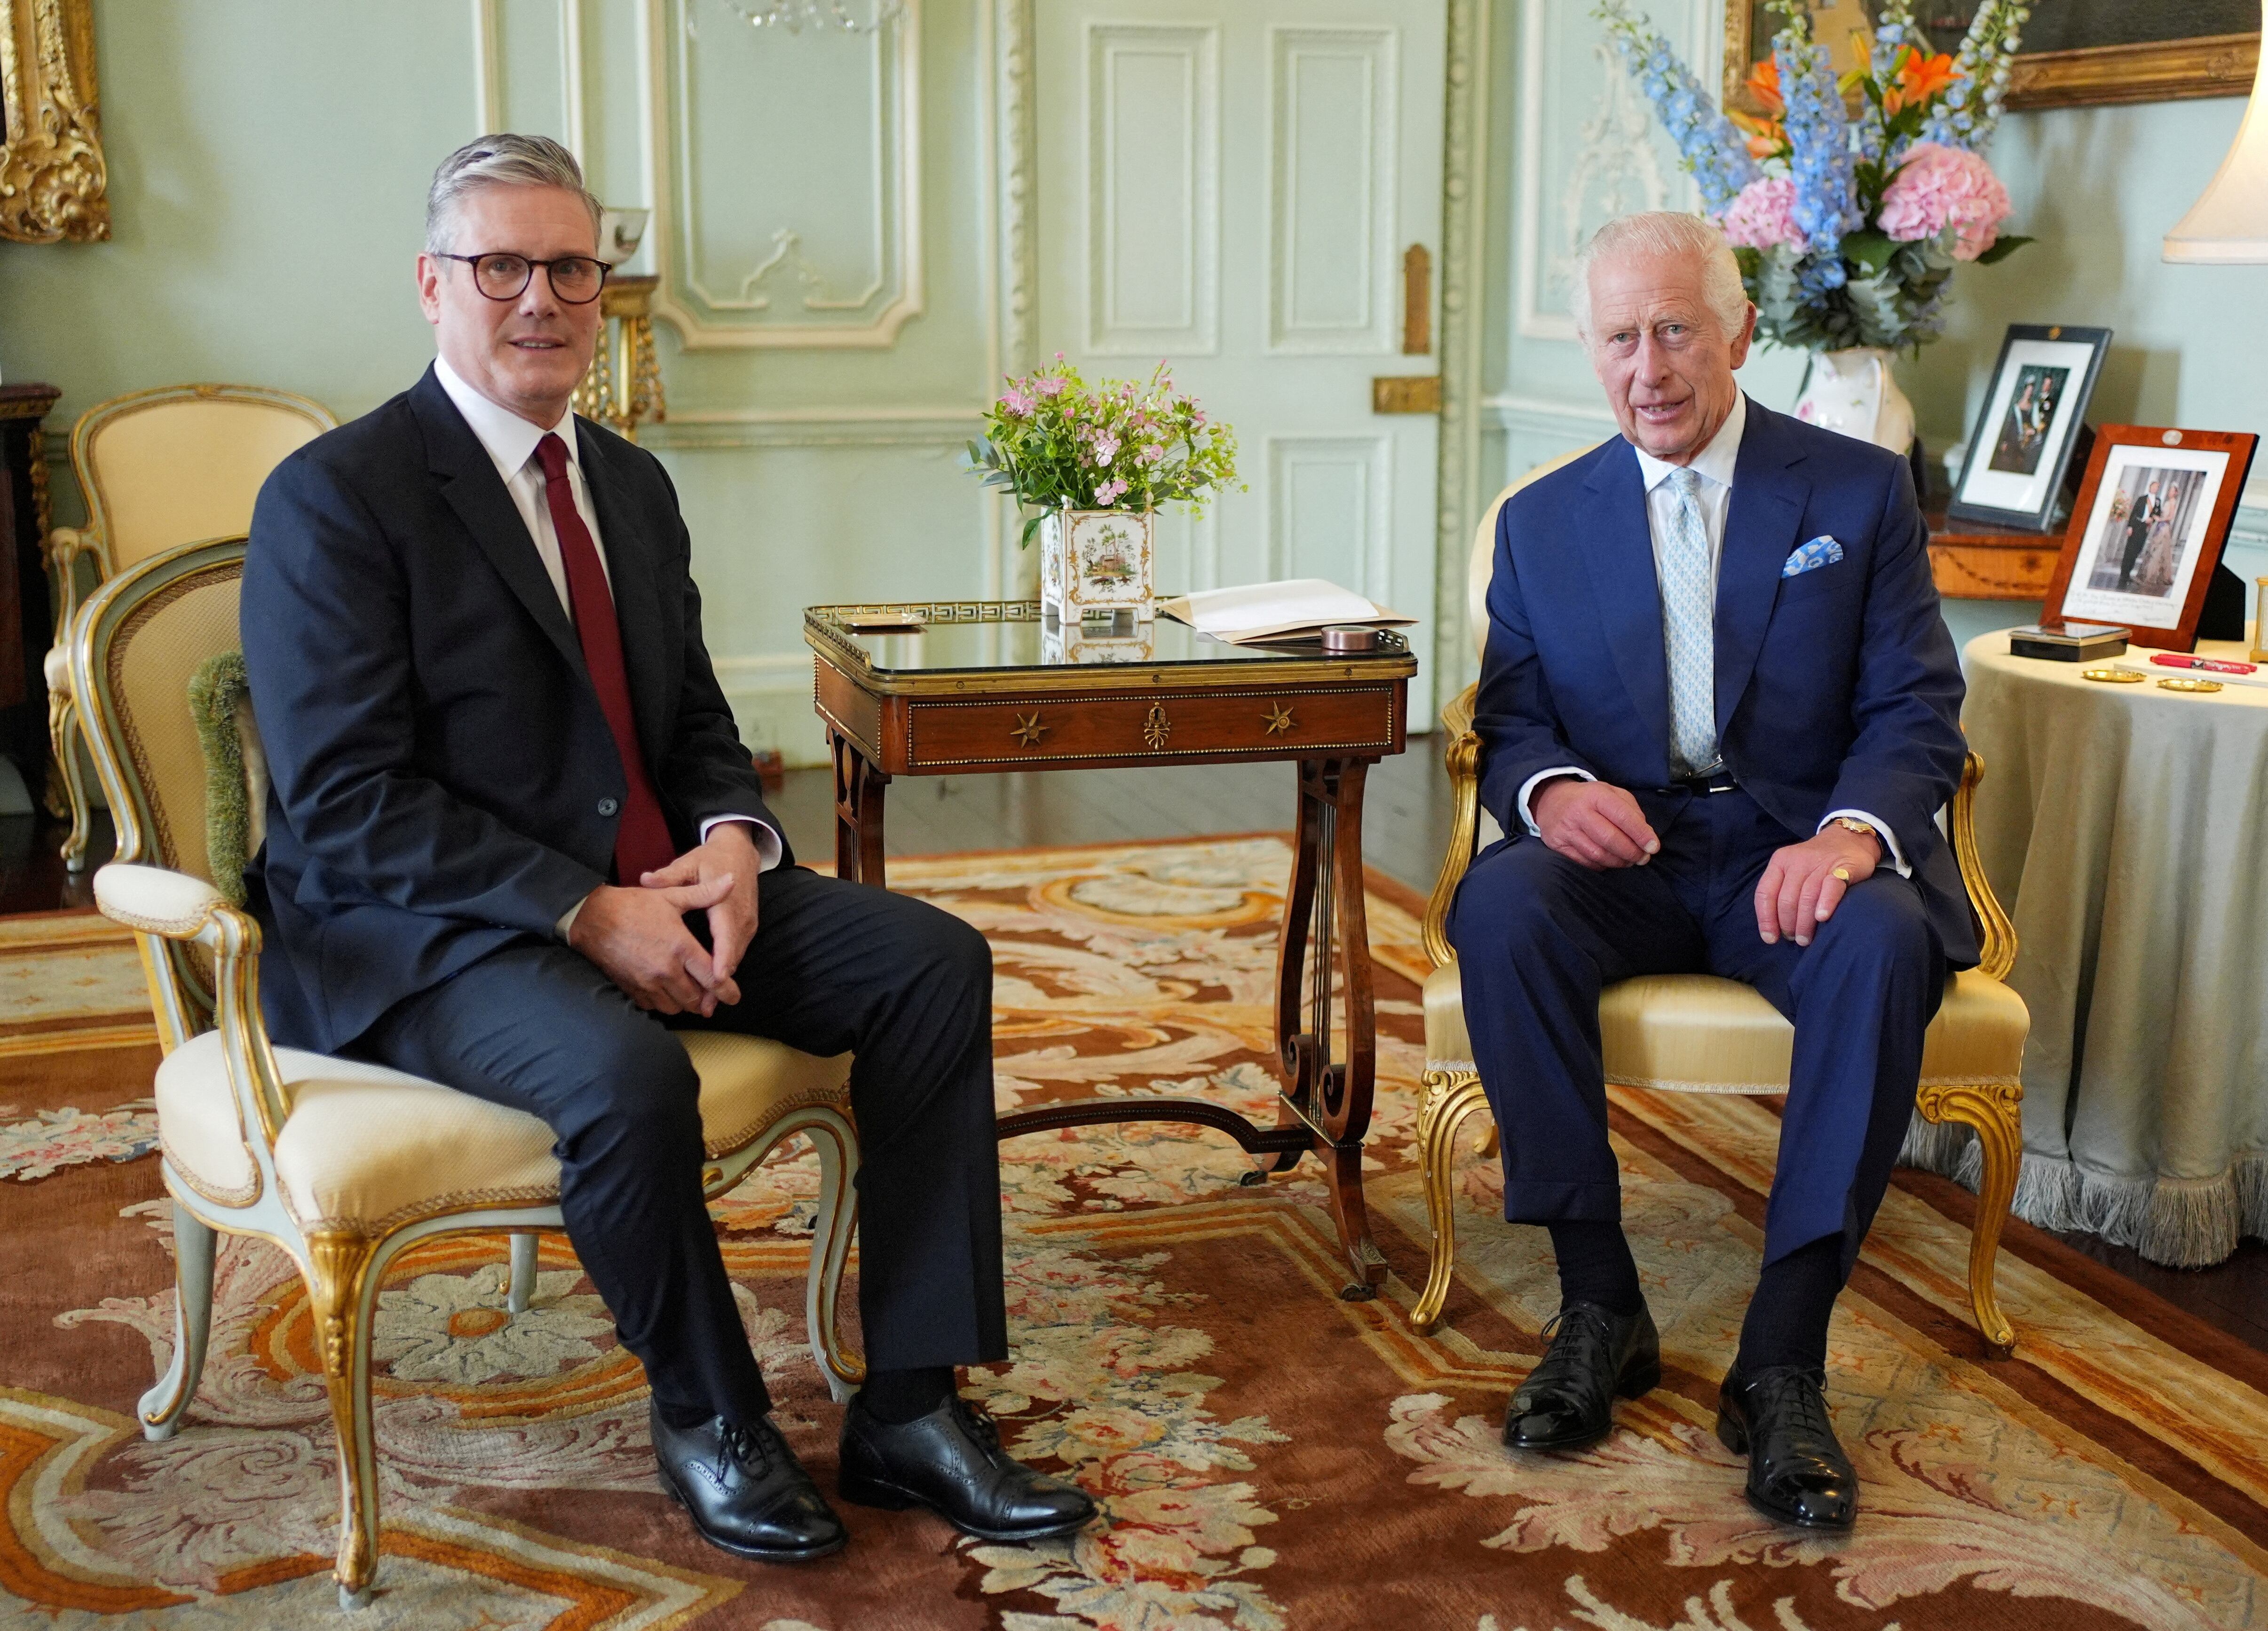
(1230, 186)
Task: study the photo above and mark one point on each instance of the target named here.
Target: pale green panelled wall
(2097, 187)
(268, 161)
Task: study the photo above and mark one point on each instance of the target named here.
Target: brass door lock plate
(1406, 393)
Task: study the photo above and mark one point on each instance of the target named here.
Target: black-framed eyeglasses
(575, 279)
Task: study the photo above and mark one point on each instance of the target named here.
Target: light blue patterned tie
(1689, 630)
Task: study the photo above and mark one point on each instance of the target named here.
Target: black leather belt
(1702, 786)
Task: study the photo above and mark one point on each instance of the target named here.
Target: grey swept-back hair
(1665, 232)
(499, 160)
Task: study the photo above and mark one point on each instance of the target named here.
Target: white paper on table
(1290, 606)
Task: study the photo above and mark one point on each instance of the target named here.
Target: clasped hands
(1601, 826)
(637, 936)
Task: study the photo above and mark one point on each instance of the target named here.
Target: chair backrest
(166, 467)
(134, 650)
(1482, 564)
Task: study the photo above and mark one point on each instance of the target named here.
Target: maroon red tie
(642, 842)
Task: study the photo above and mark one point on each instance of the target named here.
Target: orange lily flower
(1763, 85)
(1767, 136)
(1919, 78)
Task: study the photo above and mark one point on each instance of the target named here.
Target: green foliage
(1883, 302)
(1053, 442)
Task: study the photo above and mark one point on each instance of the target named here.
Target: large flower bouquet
(1847, 227)
(1057, 443)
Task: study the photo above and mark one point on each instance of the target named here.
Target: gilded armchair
(343, 1164)
(159, 468)
(1698, 1033)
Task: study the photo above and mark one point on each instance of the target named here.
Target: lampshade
(2229, 224)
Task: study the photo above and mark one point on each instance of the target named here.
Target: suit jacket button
(607, 806)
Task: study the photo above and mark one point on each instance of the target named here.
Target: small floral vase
(1855, 393)
(1097, 560)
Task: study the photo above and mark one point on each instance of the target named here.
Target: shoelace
(1797, 1394)
(1562, 1364)
(979, 1421)
(750, 1448)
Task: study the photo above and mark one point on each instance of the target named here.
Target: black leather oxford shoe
(951, 1461)
(746, 1490)
(1797, 1471)
(1568, 1399)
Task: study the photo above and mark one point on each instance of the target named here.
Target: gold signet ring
(1842, 872)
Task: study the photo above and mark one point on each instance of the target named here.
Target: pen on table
(2209, 665)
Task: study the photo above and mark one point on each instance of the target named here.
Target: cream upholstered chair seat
(370, 1149)
(1697, 1033)
(160, 469)
(343, 1164)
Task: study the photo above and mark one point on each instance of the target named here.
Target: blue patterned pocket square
(1820, 551)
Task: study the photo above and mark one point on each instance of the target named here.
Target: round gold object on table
(2113, 676)
(2199, 687)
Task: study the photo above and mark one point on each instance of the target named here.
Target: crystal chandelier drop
(794, 16)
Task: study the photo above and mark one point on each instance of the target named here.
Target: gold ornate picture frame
(2164, 71)
(53, 182)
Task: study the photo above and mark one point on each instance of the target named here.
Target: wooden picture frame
(2150, 573)
(2032, 419)
(2161, 70)
(54, 184)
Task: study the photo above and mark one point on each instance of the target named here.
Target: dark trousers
(1539, 936)
(2137, 539)
(835, 968)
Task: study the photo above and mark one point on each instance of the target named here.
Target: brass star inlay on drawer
(1028, 732)
(1279, 718)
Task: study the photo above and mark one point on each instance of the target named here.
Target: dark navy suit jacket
(1837, 689)
(443, 781)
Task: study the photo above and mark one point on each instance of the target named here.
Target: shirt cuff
(1538, 780)
(763, 835)
(1889, 840)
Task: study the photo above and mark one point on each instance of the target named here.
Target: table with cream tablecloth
(2125, 828)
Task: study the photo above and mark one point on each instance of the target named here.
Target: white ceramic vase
(1855, 393)
(1094, 562)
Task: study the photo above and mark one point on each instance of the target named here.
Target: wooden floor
(1405, 828)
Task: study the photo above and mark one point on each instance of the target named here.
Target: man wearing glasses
(513, 839)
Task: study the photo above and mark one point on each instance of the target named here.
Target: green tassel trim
(215, 691)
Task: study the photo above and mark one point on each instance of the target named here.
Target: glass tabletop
(989, 636)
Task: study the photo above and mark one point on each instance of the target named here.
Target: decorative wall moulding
(787, 213)
(53, 181)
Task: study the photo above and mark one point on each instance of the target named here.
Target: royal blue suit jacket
(1837, 689)
(442, 780)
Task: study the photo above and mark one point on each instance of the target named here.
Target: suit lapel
(1768, 490)
(470, 483)
(630, 555)
(1620, 556)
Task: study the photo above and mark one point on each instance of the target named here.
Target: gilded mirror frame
(2169, 71)
(53, 181)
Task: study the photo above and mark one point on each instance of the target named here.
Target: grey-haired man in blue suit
(1719, 712)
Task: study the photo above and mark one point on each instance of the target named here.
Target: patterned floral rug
(1267, 1455)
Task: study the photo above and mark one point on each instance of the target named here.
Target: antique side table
(987, 686)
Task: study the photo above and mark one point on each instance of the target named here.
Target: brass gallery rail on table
(971, 687)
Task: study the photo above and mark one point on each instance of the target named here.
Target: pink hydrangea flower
(1764, 215)
(1940, 186)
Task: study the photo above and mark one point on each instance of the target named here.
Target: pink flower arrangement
(1763, 216)
(1939, 187)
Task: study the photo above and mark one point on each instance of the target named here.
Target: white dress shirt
(510, 442)
(1714, 465)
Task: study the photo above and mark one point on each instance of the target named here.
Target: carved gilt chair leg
(62, 739)
(522, 1286)
(831, 1236)
(1996, 1111)
(1451, 1096)
(194, 1246)
(340, 1290)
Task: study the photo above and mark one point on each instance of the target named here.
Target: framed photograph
(2075, 54)
(2022, 444)
(2148, 531)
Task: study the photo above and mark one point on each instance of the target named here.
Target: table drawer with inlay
(1006, 731)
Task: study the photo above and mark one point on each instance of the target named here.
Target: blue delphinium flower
(1986, 60)
(1820, 157)
(1710, 145)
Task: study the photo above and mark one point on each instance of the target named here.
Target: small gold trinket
(2113, 676)
(2198, 685)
